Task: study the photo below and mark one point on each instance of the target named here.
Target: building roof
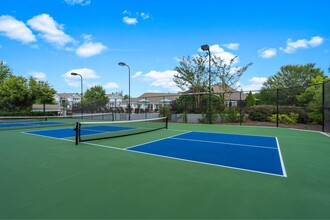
(157, 97)
(66, 95)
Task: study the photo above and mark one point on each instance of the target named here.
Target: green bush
(290, 119)
(230, 115)
(213, 115)
(315, 117)
(260, 112)
(165, 111)
(302, 113)
(28, 113)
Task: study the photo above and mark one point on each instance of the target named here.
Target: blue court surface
(69, 132)
(29, 124)
(244, 152)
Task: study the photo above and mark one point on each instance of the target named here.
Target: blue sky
(49, 39)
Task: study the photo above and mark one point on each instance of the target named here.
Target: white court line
(128, 148)
(204, 163)
(167, 157)
(281, 159)
(215, 132)
(218, 142)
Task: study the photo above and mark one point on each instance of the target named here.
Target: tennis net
(15, 122)
(88, 131)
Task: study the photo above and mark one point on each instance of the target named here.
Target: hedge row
(52, 113)
(264, 112)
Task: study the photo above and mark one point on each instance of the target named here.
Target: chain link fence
(304, 107)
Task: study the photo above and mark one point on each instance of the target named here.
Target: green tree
(227, 73)
(295, 77)
(312, 99)
(15, 94)
(5, 71)
(41, 91)
(192, 77)
(250, 100)
(95, 98)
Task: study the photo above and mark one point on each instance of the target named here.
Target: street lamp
(129, 88)
(206, 47)
(82, 95)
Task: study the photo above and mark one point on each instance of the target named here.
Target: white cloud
(292, 46)
(16, 30)
(78, 2)
(130, 21)
(144, 16)
(162, 80)
(232, 46)
(111, 85)
(75, 81)
(267, 53)
(38, 75)
(136, 75)
(255, 84)
(220, 52)
(316, 41)
(50, 30)
(89, 49)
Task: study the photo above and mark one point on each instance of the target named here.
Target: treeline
(18, 94)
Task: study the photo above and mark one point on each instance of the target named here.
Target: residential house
(231, 96)
(67, 100)
(151, 102)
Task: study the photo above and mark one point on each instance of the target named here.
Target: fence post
(323, 107)
(277, 107)
(240, 108)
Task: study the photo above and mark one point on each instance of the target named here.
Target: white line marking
(216, 142)
(39, 135)
(281, 159)
(156, 140)
(204, 163)
(214, 132)
(173, 158)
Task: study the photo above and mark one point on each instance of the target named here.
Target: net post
(77, 130)
(166, 123)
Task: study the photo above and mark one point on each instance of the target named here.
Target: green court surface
(48, 178)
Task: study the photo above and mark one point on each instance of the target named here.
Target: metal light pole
(206, 47)
(82, 94)
(129, 88)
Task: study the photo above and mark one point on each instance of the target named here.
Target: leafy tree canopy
(250, 100)
(5, 71)
(293, 75)
(96, 97)
(15, 94)
(41, 91)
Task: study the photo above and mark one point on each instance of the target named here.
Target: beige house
(67, 99)
(150, 102)
(232, 96)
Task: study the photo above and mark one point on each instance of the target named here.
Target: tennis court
(185, 171)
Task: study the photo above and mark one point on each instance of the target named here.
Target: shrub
(165, 111)
(260, 112)
(207, 117)
(286, 119)
(230, 115)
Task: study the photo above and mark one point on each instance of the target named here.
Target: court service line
(156, 140)
(216, 142)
